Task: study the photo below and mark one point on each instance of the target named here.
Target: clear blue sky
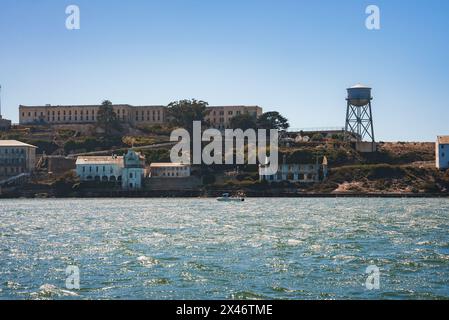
(296, 57)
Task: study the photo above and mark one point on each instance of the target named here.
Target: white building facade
(302, 173)
(133, 172)
(127, 170)
(16, 158)
(442, 153)
(99, 168)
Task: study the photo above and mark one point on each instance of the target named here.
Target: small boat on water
(227, 197)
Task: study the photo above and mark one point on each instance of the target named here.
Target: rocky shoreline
(200, 193)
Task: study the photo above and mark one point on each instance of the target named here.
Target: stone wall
(168, 184)
(61, 165)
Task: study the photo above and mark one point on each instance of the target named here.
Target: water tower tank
(359, 95)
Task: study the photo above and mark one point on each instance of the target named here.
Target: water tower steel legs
(359, 122)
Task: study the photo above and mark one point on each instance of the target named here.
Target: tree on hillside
(272, 120)
(182, 113)
(243, 121)
(106, 118)
(317, 137)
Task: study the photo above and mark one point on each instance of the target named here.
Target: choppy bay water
(204, 249)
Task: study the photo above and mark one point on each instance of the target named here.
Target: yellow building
(169, 170)
(218, 116)
(85, 114)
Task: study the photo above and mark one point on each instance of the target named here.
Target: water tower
(359, 118)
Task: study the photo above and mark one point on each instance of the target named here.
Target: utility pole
(0, 101)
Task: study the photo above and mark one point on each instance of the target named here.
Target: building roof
(49, 106)
(167, 165)
(118, 160)
(233, 106)
(360, 86)
(15, 143)
(443, 139)
(73, 106)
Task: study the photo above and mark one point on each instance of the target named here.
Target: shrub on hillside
(383, 171)
(301, 156)
(209, 179)
(43, 146)
(92, 144)
(371, 172)
(158, 155)
(429, 187)
(163, 130)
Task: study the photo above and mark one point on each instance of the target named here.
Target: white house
(442, 152)
(304, 173)
(128, 170)
(99, 168)
(170, 170)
